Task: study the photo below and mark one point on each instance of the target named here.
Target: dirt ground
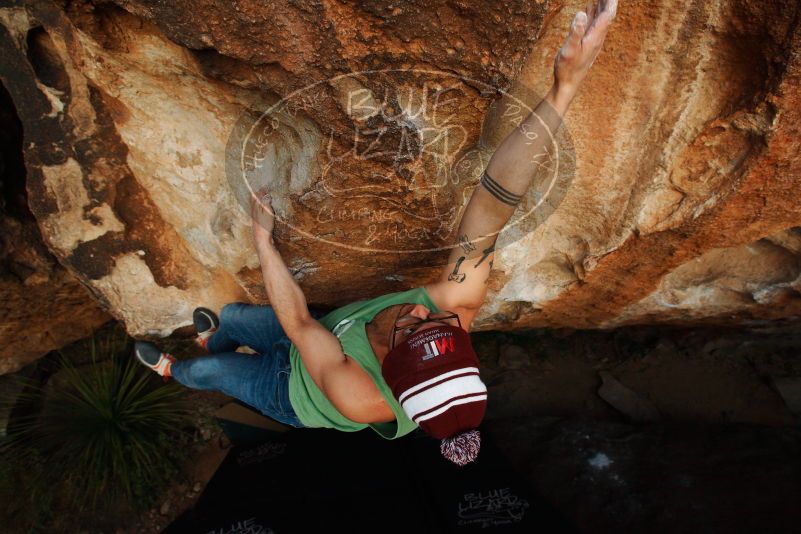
(211, 446)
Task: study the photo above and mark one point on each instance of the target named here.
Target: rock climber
(399, 361)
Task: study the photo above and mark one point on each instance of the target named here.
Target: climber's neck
(379, 328)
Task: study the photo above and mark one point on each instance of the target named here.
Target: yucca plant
(97, 435)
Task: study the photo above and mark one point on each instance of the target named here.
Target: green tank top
(348, 323)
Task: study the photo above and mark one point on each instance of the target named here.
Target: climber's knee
(230, 311)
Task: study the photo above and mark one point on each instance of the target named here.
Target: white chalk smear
(600, 461)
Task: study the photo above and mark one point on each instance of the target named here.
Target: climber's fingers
(260, 200)
(583, 43)
(603, 16)
(572, 47)
(590, 10)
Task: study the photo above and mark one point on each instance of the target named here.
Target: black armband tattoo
(498, 191)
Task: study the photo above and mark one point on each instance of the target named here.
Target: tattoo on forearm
(456, 276)
(499, 192)
(486, 252)
(466, 245)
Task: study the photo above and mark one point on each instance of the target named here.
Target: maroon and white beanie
(434, 375)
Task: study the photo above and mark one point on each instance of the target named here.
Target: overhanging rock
(672, 196)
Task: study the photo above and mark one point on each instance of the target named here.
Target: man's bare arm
(339, 378)
(509, 174)
(287, 298)
(515, 164)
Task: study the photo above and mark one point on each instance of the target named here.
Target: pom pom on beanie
(461, 449)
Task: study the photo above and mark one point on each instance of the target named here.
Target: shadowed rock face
(672, 195)
(42, 306)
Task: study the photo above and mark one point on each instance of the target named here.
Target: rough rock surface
(675, 184)
(42, 306)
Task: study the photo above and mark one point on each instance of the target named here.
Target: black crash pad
(315, 480)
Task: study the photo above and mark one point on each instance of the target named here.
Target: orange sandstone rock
(671, 195)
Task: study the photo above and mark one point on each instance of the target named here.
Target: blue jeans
(260, 380)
